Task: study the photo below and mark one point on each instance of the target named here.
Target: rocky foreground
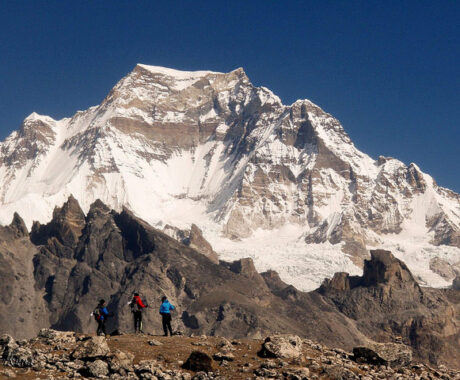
(61, 355)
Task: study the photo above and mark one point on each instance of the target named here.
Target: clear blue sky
(388, 70)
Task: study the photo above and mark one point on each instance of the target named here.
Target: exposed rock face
(114, 254)
(200, 244)
(387, 301)
(444, 269)
(213, 150)
(19, 296)
(194, 239)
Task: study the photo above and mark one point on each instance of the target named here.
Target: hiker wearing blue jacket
(101, 314)
(165, 311)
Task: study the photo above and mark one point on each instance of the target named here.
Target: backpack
(134, 306)
(97, 314)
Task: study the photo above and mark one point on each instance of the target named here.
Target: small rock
(147, 367)
(155, 342)
(8, 373)
(202, 344)
(75, 365)
(265, 372)
(200, 376)
(270, 364)
(219, 356)
(297, 374)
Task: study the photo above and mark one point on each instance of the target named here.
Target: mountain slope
(282, 184)
(54, 277)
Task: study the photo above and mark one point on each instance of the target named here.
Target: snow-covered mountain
(282, 184)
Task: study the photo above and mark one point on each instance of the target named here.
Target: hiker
(136, 308)
(100, 315)
(165, 311)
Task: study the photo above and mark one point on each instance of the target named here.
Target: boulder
(7, 343)
(394, 355)
(147, 368)
(199, 361)
(92, 348)
(220, 356)
(98, 368)
(281, 346)
(225, 346)
(296, 374)
(19, 357)
(121, 360)
(51, 336)
(47, 334)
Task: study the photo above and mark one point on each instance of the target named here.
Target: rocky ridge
(54, 354)
(212, 149)
(55, 275)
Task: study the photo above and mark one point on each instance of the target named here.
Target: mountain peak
(179, 74)
(207, 148)
(37, 116)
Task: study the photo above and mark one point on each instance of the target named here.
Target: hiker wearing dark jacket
(101, 314)
(136, 308)
(165, 311)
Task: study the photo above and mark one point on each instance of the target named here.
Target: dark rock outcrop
(55, 278)
(110, 255)
(199, 361)
(387, 302)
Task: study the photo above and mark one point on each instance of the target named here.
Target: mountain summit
(282, 184)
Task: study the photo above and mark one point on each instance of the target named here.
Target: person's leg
(137, 326)
(164, 321)
(103, 328)
(169, 325)
(140, 322)
(100, 327)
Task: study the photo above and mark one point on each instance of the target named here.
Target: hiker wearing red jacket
(136, 308)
